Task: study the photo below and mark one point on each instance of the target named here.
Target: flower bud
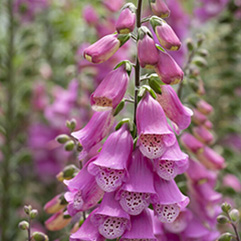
(24, 225)
(38, 236)
(103, 49)
(33, 213)
(27, 209)
(221, 219)
(127, 19)
(165, 34)
(69, 146)
(55, 204)
(234, 215)
(200, 62)
(62, 138)
(90, 15)
(225, 237)
(190, 45)
(71, 124)
(226, 207)
(160, 8)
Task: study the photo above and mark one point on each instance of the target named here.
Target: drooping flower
(165, 34)
(170, 200)
(154, 132)
(160, 8)
(204, 107)
(138, 192)
(168, 70)
(232, 181)
(110, 167)
(127, 19)
(90, 15)
(141, 228)
(191, 143)
(113, 6)
(96, 129)
(171, 163)
(111, 90)
(55, 204)
(208, 124)
(148, 59)
(84, 193)
(173, 108)
(87, 231)
(110, 218)
(202, 134)
(198, 118)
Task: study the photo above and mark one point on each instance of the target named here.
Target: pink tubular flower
(198, 118)
(113, 6)
(111, 220)
(111, 90)
(168, 70)
(141, 228)
(55, 204)
(138, 191)
(191, 143)
(173, 108)
(171, 163)
(208, 124)
(232, 181)
(154, 132)
(148, 59)
(84, 193)
(103, 49)
(127, 19)
(90, 15)
(96, 129)
(160, 8)
(165, 34)
(202, 134)
(170, 200)
(211, 159)
(87, 231)
(204, 107)
(110, 167)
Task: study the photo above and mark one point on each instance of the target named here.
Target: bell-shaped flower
(158, 228)
(211, 159)
(148, 59)
(110, 167)
(198, 118)
(173, 162)
(138, 192)
(191, 143)
(110, 218)
(165, 34)
(160, 8)
(173, 107)
(127, 19)
(96, 129)
(168, 70)
(170, 200)
(111, 90)
(202, 134)
(141, 228)
(155, 135)
(204, 107)
(103, 49)
(84, 193)
(87, 231)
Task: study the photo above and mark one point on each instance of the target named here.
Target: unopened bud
(200, 62)
(38, 236)
(55, 204)
(27, 209)
(190, 45)
(71, 124)
(221, 219)
(33, 213)
(234, 215)
(200, 39)
(24, 225)
(62, 138)
(226, 207)
(69, 146)
(225, 237)
(69, 171)
(57, 222)
(203, 52)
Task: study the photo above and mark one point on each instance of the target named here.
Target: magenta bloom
(202, 134)
(90, 15)
(160, 8)
(113, 6)
(232, 181)
(141, 228)
(138, 191)
(168, 70)
(198, 118)
(191, 143)
(87, 231)
(158, 229)
(173, 108)
(171, 163)
(111, 220)
(204, 107)
(208, 124)
(111, 90)
(211, 159)
(110, 167)
(148, 59)
(127, 19)
(84, 193)
(103, 49)
(165, 34)
(170, 200)
(96, 129)
(154, 132)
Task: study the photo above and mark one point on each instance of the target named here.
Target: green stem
(6, 173)
(137, 67)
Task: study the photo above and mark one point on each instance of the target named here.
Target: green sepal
(160, 48)
(123, 38)
(142, 32)
(119, 107)
(122, 122)
(156, 21)
(128, 66)
(155, 86)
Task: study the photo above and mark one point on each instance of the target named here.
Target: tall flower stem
(137, 66)
(8, 152)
